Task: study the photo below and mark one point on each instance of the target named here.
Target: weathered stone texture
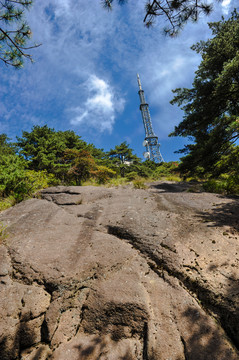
(92, 273)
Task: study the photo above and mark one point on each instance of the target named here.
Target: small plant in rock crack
(3, 232)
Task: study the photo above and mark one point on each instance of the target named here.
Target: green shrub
(12, 174)
(132, 175)
(6, 203)
(102, 174)
(139, 184)
(33, 182)
(37, 180)
(215, 186)
(117, 181)
(173, 178)
(232, 183)
(21, 184)
(165, 169)
(223, 185)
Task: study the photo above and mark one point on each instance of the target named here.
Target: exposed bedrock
(90, 273)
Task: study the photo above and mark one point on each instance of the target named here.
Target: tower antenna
(151, 140)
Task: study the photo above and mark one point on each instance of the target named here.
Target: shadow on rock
(7, 352)
(117, 331)
(99, 346)
(201, 343)
(38, 355)
(167, 187)
(224, 215)
(21, 338)
(86, 351)
(230, 318)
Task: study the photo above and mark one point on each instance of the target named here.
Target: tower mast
(151, 140)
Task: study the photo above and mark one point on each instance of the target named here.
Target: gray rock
(118, 273)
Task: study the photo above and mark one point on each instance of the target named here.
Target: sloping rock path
(90, 273)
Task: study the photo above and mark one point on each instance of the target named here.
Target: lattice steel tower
(151, 140)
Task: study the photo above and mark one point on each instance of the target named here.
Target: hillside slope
(119, 273)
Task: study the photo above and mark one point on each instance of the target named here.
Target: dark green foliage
(176, 12)
(12, 169)
(132, 175)
(211, 107)
(14, 32)
(123, 159)
(80, 164)
(18, 182)
(122, 153)
(99, 154)
(44, 148)
(5, 146)
(227, 172)
(224, 185)
(166, 169)
(12, 174)
(229, 163)
(102, 174)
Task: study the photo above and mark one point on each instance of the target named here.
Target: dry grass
(3, 232)
(6, 203)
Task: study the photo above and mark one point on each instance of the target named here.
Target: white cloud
(99, 109)
(226, 6)
(79, 38)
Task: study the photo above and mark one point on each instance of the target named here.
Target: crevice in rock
(18, 273)
(50, 287)
(215, 307)
(29, 317)
(186, 356)
(19, 276)
(67, 204)
(191, 268)
(156, 264)
(168, 247)
(145, 341)
(62, 205)
(45, 338)
(66, 191)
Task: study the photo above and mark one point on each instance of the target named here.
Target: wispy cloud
(226, 6)
(99, 109)
(84, 76)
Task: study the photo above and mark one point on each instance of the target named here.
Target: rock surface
(120, 274)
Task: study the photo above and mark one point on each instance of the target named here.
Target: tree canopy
(6, 148)
(14, 32)
(122, 153)
(176, 12)
(211, 106)
(45, 147)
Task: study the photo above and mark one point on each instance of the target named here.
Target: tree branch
(9, 38)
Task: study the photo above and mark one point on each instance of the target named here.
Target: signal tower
(151, 140)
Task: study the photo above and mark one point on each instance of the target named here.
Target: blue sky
(84, 75)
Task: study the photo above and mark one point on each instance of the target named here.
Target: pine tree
(14, 32)
(175, 12)
(211, 106)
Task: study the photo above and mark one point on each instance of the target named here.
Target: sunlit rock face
(119, 273)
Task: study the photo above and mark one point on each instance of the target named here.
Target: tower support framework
(151, 140)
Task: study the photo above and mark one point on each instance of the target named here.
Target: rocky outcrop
(119, 273)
